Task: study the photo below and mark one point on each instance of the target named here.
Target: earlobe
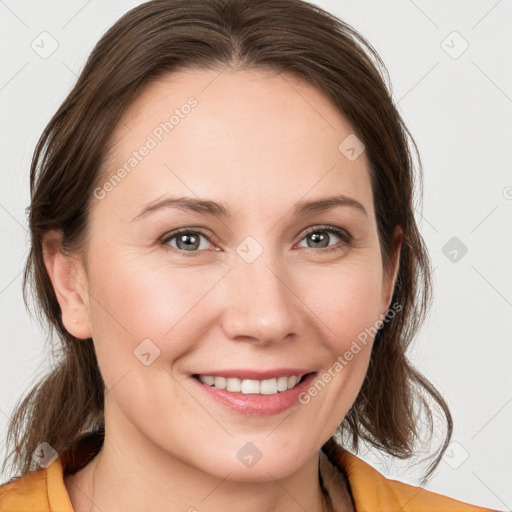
(70, 285)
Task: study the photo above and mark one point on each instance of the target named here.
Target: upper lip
(256, 374)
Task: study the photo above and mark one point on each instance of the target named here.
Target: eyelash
(345, 237)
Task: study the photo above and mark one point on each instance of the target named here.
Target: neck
(121, 479)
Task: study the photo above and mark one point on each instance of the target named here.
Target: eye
(186, 240)
(320, 236)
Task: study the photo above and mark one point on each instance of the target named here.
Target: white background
(460, 113)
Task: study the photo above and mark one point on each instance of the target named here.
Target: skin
(258, 142)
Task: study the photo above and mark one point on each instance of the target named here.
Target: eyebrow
(302, 208)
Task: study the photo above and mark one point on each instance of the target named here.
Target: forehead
(246, 134)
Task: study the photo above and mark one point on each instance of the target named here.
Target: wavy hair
(396, 402)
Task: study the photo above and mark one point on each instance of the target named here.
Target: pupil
(315, 237)
(186, 239)
(189, 241)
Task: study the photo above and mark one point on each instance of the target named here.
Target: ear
(69, 282)
(391, 273)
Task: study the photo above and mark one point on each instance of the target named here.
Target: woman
(223, 237)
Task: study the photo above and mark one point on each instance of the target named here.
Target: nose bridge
(261, 301)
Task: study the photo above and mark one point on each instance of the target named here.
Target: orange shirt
(44, 490)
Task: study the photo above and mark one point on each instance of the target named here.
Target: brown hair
(162, 36)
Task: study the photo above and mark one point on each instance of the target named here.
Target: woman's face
(262, 286)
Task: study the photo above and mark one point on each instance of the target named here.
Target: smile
(252, 386)
(256, 397)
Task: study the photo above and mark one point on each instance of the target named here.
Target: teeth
(250, 386)
(220, 382)
(282, 383)
(232, 385)
(209, 380)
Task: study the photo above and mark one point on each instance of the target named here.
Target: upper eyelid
(320, 227)
(171, 234)
(325, 227)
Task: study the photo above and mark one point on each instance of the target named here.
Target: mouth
(256, 397)
(270, 386)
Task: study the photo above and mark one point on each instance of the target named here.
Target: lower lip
(255, 404)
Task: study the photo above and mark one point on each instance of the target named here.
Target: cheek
(347, 299)
(142, 297)
(346, 302)
(133, 301)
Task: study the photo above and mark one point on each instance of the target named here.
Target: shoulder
(372, 491)
(25, 493)
(42, 490)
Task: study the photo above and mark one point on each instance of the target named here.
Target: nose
(261, 304)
